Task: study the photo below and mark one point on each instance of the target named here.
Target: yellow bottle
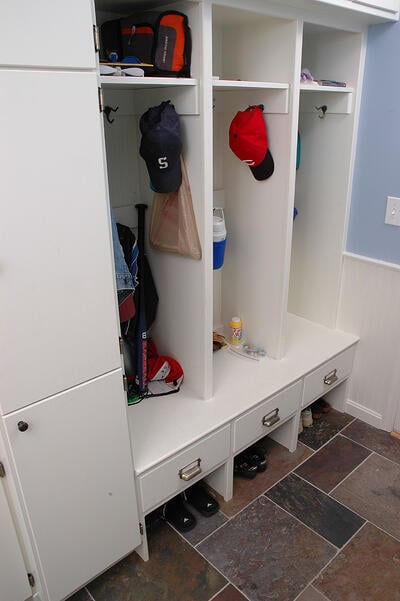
(236, 331)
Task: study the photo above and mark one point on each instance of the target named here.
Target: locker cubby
(323, 180)
(179, 280)
(251, 283)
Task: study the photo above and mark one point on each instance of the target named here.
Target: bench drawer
(175, 474)
(326, 377)
(266, 417)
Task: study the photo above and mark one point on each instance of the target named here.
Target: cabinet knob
(22, 426)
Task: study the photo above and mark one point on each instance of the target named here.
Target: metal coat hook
(107, 110)
(322, 110)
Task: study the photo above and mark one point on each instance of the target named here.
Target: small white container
(306, 417)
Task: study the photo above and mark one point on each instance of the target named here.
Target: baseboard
(364, 414)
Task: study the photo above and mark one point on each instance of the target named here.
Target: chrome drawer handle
(191, 470)
(270, 421)
(330, 378)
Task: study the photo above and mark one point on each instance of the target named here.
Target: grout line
(211, 533)
(220, 591)
(396, 538)
(332, 559)
(329, 440)
(373, 451)
(306, 525)
(223, 575)
(315, 589)
(350, 473)
(89, 593)
(352, 421)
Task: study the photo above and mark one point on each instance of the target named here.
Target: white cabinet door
(72, 458)
(49, 33)
(14, 584)
(58, 322)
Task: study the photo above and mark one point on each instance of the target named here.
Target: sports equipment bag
(163, 40)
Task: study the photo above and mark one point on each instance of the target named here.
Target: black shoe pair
(249, 463)
(180, 517)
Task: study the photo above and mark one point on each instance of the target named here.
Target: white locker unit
(14, 584)
(79, 488)
(57, 281)
(87, 468)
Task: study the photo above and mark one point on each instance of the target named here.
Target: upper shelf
(274, 96)
(338, 100)
(340, 89)
(182, 92)
(144, 83)
(229, 84)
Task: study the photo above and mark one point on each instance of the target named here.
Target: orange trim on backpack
(177, 23)
(138, 29)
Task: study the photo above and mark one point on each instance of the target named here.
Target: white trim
(373, 418)
(377, 262)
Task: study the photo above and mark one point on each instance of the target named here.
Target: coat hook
(107, 110)
(323, 110)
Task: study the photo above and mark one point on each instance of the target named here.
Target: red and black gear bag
(163, 40)
(173, 45)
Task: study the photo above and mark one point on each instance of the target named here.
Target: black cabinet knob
(22, 426)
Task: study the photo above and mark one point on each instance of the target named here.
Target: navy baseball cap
(161, 147)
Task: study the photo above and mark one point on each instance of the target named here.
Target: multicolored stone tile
(324, 429)
(311, 594)
(326, 468)
(174, 571)
(368, 569)
(279, 463)
(377, 440)
(81, 595)
(230, 593)
(264, 551)
(373, 491)
(324, 515)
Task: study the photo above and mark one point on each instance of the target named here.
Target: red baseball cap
(248, 139)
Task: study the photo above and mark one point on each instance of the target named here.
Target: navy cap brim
(265, 169)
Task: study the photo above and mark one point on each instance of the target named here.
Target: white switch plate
(392, 216)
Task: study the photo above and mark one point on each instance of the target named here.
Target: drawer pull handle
(190, 471)
(269, 420)
(330, 378)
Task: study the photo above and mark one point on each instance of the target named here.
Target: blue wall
(377, 165)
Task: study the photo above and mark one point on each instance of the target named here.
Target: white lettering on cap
(249, 162)
(163, 163)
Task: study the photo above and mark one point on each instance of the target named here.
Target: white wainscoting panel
(369, 307)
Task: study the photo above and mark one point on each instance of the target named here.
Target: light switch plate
(392, 216)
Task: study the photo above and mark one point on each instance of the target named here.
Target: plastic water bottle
(219, 238)
(236, 331)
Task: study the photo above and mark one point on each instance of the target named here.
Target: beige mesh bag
(173, 226)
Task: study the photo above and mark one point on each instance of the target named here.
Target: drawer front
(179, 472)
(266, 417)
(323, 379)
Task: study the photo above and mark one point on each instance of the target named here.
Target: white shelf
(163, 426)
(228, 84)
(338, 100)
(274, 96)
(181, 91)
(339, 89)
(144, 83)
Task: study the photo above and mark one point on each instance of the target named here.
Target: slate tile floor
(321, 524)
